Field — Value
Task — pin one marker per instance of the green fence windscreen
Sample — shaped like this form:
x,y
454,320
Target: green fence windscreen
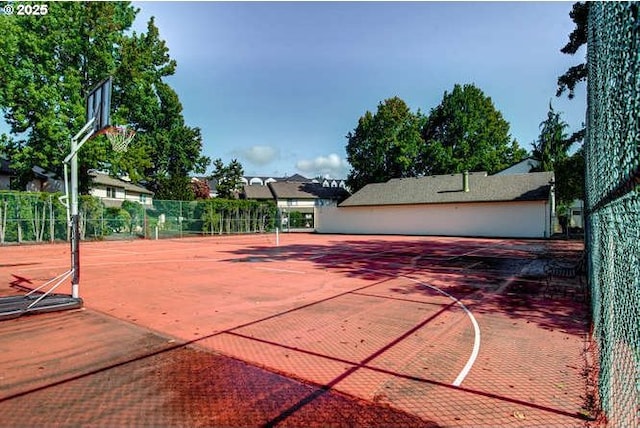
x,y
612,187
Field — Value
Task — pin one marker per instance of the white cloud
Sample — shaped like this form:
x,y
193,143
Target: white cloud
x,y
332,166
258,155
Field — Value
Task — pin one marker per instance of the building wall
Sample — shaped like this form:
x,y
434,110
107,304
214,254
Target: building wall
x,y
101,192
4,182
295,204
121,195
528,219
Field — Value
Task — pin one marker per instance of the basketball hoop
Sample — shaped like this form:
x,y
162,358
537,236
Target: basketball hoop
x,y
119,137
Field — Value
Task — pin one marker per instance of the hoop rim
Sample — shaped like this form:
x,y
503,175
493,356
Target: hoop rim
x,y
118,135
115,129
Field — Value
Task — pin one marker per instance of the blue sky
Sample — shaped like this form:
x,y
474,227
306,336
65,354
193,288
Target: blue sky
x,y
279,85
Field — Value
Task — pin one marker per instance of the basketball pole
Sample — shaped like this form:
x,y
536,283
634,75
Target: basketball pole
x,y
85,133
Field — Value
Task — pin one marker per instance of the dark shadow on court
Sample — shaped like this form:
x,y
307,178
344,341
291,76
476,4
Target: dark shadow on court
x,y
487,272
165,384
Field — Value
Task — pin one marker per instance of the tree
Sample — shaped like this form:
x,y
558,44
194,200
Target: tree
x,y
578,37
228,178
466,132
136,214
52,61
385,145
552,151
171,150
201,189
552,145
570,177
173,188
49,64
578,73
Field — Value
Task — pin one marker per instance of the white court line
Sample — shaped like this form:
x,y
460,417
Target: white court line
x,y
476,328
280,270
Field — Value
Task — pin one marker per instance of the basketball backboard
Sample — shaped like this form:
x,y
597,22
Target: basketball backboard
x,y
99,104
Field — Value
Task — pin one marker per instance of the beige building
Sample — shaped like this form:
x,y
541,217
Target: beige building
x,y
114,191
474,204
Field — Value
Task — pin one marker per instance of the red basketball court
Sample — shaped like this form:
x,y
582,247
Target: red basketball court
x,y
299,331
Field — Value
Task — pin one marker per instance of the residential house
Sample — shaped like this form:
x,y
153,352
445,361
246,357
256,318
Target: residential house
x,y
470,204
114,191
42,181
257,192
295,194
303,197
292,194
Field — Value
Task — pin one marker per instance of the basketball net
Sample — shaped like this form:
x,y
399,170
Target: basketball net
x,y
119,136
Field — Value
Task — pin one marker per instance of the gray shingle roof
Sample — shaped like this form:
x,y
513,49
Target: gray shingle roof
x,y
441,189
297,190
106,180
257,191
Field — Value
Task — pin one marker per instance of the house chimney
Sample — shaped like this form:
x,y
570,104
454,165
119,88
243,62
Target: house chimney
x,y
465,181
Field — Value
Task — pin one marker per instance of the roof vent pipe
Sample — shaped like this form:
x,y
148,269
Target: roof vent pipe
x,y
465,181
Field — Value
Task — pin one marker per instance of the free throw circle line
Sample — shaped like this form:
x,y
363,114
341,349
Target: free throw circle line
x,y
476,328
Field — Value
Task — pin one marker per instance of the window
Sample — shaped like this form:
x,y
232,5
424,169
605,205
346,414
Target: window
x,y
111,192
143,199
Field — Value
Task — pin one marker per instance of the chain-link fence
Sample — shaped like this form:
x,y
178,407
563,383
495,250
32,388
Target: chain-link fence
x,y
41,217
32,217
612,154
209,217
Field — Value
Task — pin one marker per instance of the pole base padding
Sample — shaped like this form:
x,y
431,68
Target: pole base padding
x,y
16,306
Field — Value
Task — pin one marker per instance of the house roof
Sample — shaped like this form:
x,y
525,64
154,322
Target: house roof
x,y
441,189
257,192
296,178
524,166
107,180
298,190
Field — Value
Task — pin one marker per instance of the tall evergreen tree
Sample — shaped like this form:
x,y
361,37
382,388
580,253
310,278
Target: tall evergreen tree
x,y
228,178
551,147
552,151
